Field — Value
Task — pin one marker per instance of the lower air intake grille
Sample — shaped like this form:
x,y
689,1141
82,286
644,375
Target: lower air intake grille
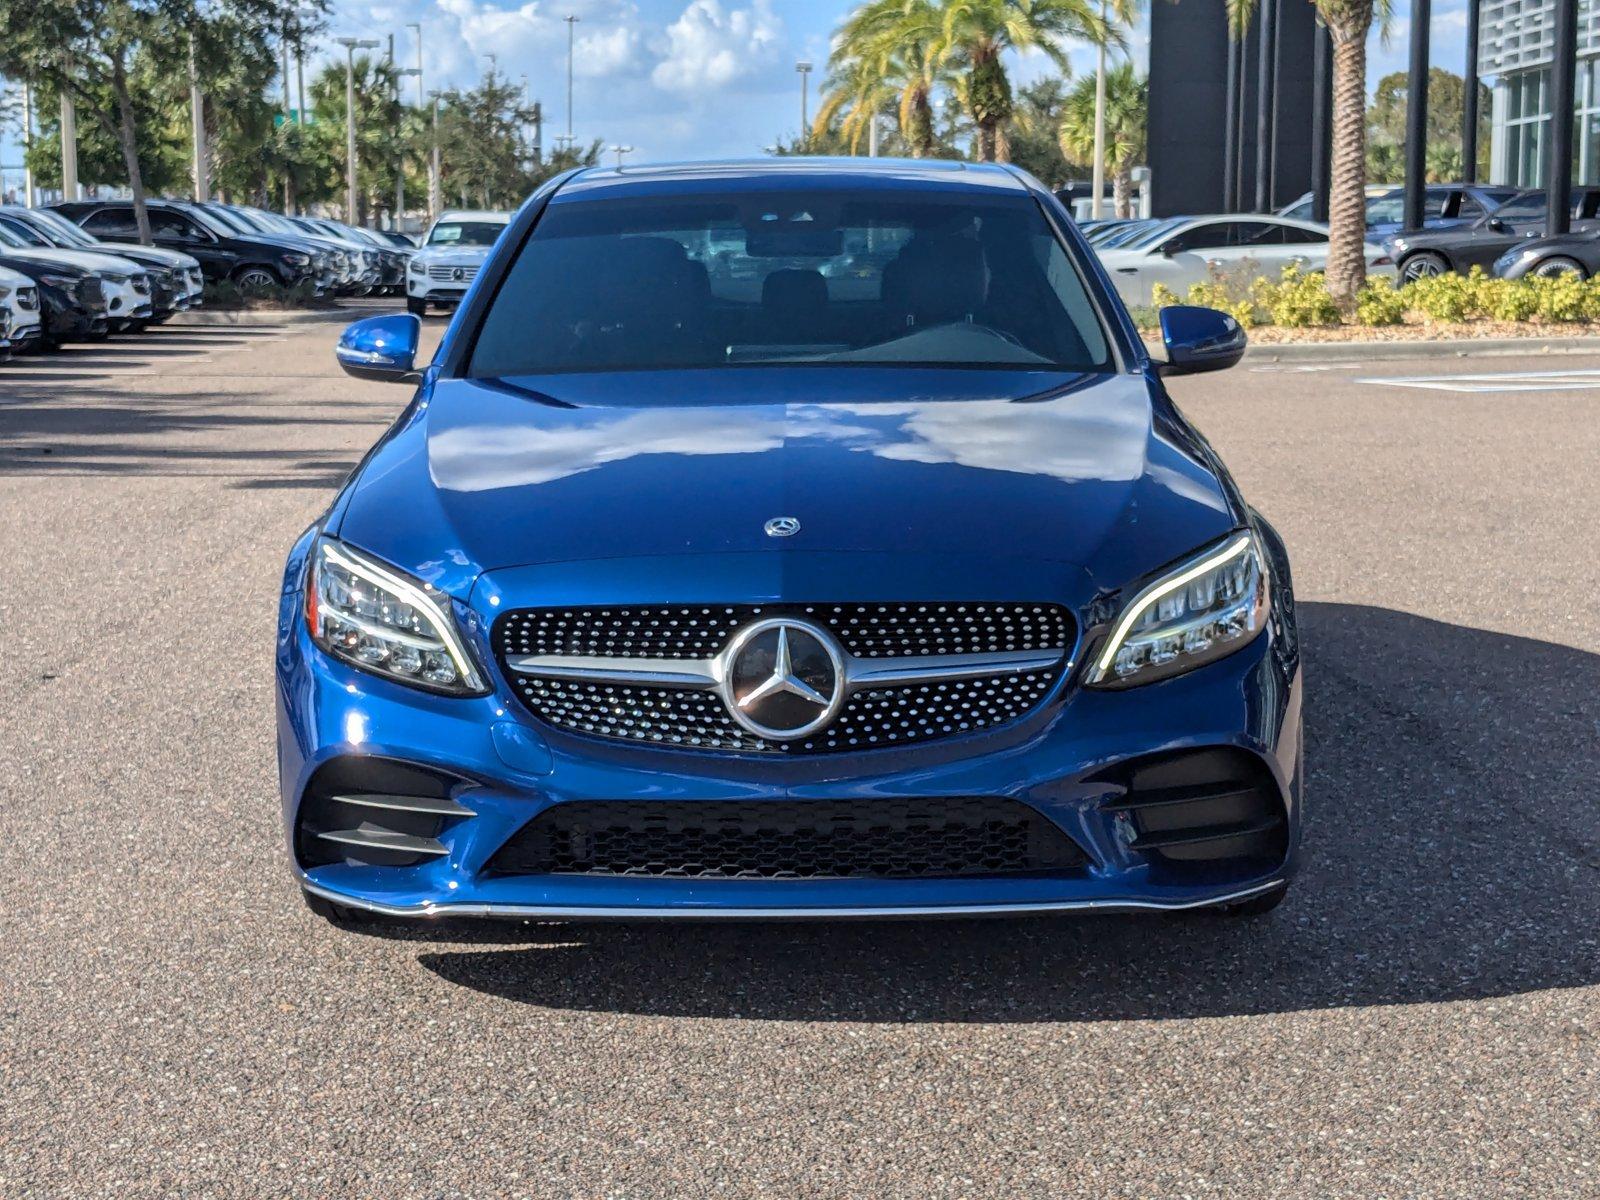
x,y
797,839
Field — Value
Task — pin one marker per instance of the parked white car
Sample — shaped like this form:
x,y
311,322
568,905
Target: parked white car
x,y
1182,251
455,247
20,319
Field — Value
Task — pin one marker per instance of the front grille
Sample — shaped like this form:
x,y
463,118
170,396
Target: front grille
x,y
444,274
875,717
867,630
789,839
91,293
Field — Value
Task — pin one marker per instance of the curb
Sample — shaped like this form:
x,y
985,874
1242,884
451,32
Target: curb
x,y
260,316
1303,352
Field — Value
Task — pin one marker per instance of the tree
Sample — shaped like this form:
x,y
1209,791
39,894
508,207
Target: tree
x,y
884,57
976,33
1386,127
1036,144
1126,105
92,51
1349,22
487,160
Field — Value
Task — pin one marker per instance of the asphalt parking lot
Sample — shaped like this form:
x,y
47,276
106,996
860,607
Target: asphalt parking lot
x,y
1420,1019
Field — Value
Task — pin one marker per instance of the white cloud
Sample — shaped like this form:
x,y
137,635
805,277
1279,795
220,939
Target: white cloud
x,y
709,47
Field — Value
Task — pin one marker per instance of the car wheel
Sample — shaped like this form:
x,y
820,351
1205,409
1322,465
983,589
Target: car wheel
x,y
1256,906
255,277
1423,266
341,916
1554,268
417,308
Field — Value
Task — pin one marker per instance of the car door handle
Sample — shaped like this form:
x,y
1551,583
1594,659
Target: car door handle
x,y
1127,270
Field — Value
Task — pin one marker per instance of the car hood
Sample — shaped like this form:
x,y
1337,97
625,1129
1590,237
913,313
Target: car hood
x,y
453,256
138,253
970,464
86,259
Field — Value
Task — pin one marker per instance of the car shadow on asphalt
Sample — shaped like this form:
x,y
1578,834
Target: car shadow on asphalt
x,y
1452,853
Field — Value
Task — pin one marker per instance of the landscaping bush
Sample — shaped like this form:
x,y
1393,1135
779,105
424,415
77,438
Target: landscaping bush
x,y
1379,302
1300,301
1446,298
1563,298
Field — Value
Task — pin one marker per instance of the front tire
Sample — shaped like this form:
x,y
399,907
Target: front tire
x,y
1557,266
340,916
417,308
1423,265
1256,906
255,277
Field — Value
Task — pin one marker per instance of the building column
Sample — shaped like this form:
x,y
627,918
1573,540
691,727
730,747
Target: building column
x,y
1558,147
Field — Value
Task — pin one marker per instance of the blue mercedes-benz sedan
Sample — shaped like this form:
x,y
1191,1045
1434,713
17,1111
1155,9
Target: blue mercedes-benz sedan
x,y
793,539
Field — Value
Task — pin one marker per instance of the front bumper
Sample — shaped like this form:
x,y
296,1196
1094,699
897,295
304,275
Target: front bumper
x,y
1056,761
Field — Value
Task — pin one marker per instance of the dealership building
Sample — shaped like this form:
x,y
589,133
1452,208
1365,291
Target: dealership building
x,y
1516,40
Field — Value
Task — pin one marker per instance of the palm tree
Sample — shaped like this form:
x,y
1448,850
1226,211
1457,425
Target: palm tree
x,y
1126,98
976,33
884,55
1349,22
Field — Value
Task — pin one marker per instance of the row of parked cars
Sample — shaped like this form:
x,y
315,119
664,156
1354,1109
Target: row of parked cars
x,y
1497,228
77,272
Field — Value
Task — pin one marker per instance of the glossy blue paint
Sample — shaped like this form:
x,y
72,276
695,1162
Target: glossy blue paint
x,y
1200,339
909,484
382,348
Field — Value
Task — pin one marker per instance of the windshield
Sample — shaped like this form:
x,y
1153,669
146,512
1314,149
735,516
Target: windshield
x,y
24,235
7,238
1145,235
234,221
823,279
465,233
209,221
61,229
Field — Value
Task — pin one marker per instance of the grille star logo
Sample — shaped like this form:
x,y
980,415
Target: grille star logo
x,y
784,678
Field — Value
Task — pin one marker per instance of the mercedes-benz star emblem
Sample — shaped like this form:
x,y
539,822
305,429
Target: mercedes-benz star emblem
x,y
782,526
783,678
458,273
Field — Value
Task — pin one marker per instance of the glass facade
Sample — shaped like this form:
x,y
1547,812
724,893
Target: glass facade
x,y
1522,121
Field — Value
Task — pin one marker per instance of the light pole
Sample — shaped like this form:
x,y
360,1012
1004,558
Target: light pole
x,y
421,96
494,62
619,151
197,125
572,25
804,69
27,143
400,161
435,177
1099,185
350,45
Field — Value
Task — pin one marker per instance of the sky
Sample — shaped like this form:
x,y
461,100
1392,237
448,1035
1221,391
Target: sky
x,y
681,79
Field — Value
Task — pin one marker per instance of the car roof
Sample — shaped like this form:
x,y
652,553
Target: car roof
x,y
471,214
797,173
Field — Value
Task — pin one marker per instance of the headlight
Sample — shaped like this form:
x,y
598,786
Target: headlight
x,y
416,267
1207,608
373,617
295,259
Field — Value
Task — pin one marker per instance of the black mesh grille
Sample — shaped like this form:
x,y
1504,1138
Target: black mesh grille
x,y
795,839
876,718
867,630
871,719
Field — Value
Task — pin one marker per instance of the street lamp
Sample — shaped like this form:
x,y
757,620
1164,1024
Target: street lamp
x,y
494,62
350,45
435,175
804,69
418,72
619,151
572,25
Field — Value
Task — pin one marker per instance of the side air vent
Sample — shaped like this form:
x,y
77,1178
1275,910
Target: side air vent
x,y
377,813
1200,809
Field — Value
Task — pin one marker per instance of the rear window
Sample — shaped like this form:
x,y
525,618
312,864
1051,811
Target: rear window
x,y
817,279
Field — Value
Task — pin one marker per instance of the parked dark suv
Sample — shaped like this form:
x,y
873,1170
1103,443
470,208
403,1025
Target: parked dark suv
x,y
255,260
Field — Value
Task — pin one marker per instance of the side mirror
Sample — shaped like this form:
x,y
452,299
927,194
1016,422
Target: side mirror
x,y
1496,224
381,348
1199,339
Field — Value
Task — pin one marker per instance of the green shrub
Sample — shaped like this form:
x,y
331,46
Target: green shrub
x,y
1509,300
1445,297
1562,298
1161,296
1379,302
1299,301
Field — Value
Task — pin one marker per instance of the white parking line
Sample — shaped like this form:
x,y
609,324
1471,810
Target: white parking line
x,y
1508,381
